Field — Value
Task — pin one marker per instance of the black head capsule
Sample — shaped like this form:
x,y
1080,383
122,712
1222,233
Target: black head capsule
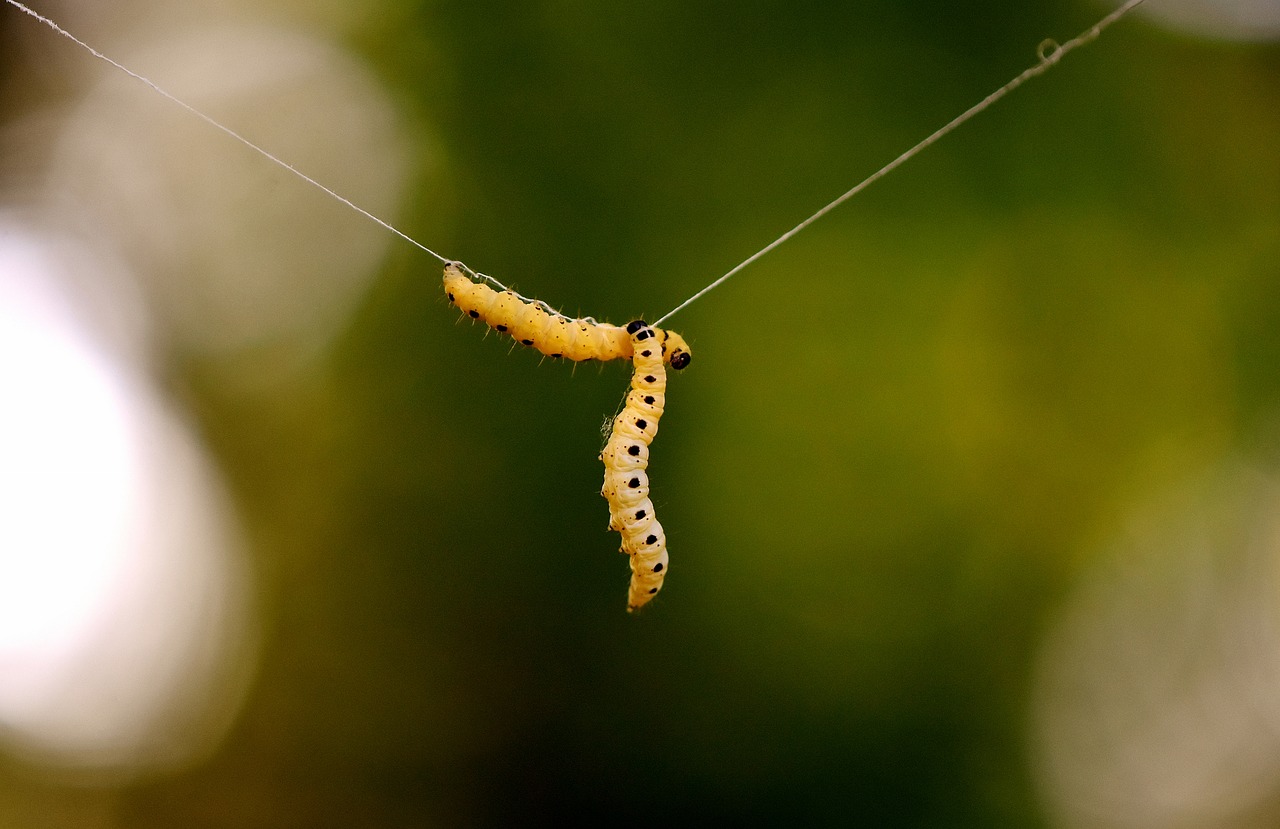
x,y
680,359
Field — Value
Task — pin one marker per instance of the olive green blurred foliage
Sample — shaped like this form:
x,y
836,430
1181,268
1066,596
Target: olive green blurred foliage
x,y
901,435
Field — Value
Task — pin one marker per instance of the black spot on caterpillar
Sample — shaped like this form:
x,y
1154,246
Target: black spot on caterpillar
x,y
626,484
534,324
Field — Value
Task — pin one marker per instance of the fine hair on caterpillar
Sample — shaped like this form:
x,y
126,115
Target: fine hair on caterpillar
x,y
626,459
541,327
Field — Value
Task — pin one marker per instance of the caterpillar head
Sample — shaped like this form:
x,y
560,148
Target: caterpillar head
x,y
455,281
676,350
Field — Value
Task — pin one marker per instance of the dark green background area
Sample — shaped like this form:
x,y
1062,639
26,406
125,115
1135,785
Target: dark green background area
x,y
902,438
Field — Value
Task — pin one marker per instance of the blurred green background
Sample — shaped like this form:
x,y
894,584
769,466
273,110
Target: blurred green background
x,y
904,436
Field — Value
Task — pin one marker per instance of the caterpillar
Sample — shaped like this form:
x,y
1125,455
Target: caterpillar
x,y
536,324
626,457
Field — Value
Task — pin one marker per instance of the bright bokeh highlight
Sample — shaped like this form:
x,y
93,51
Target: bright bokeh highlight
x,y
124,604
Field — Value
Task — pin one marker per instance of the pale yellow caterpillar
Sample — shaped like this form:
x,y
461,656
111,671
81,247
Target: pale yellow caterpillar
x,y
537,325
626,457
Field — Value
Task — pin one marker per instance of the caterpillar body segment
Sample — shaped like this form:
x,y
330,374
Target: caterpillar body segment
x,y
537,325
626,459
